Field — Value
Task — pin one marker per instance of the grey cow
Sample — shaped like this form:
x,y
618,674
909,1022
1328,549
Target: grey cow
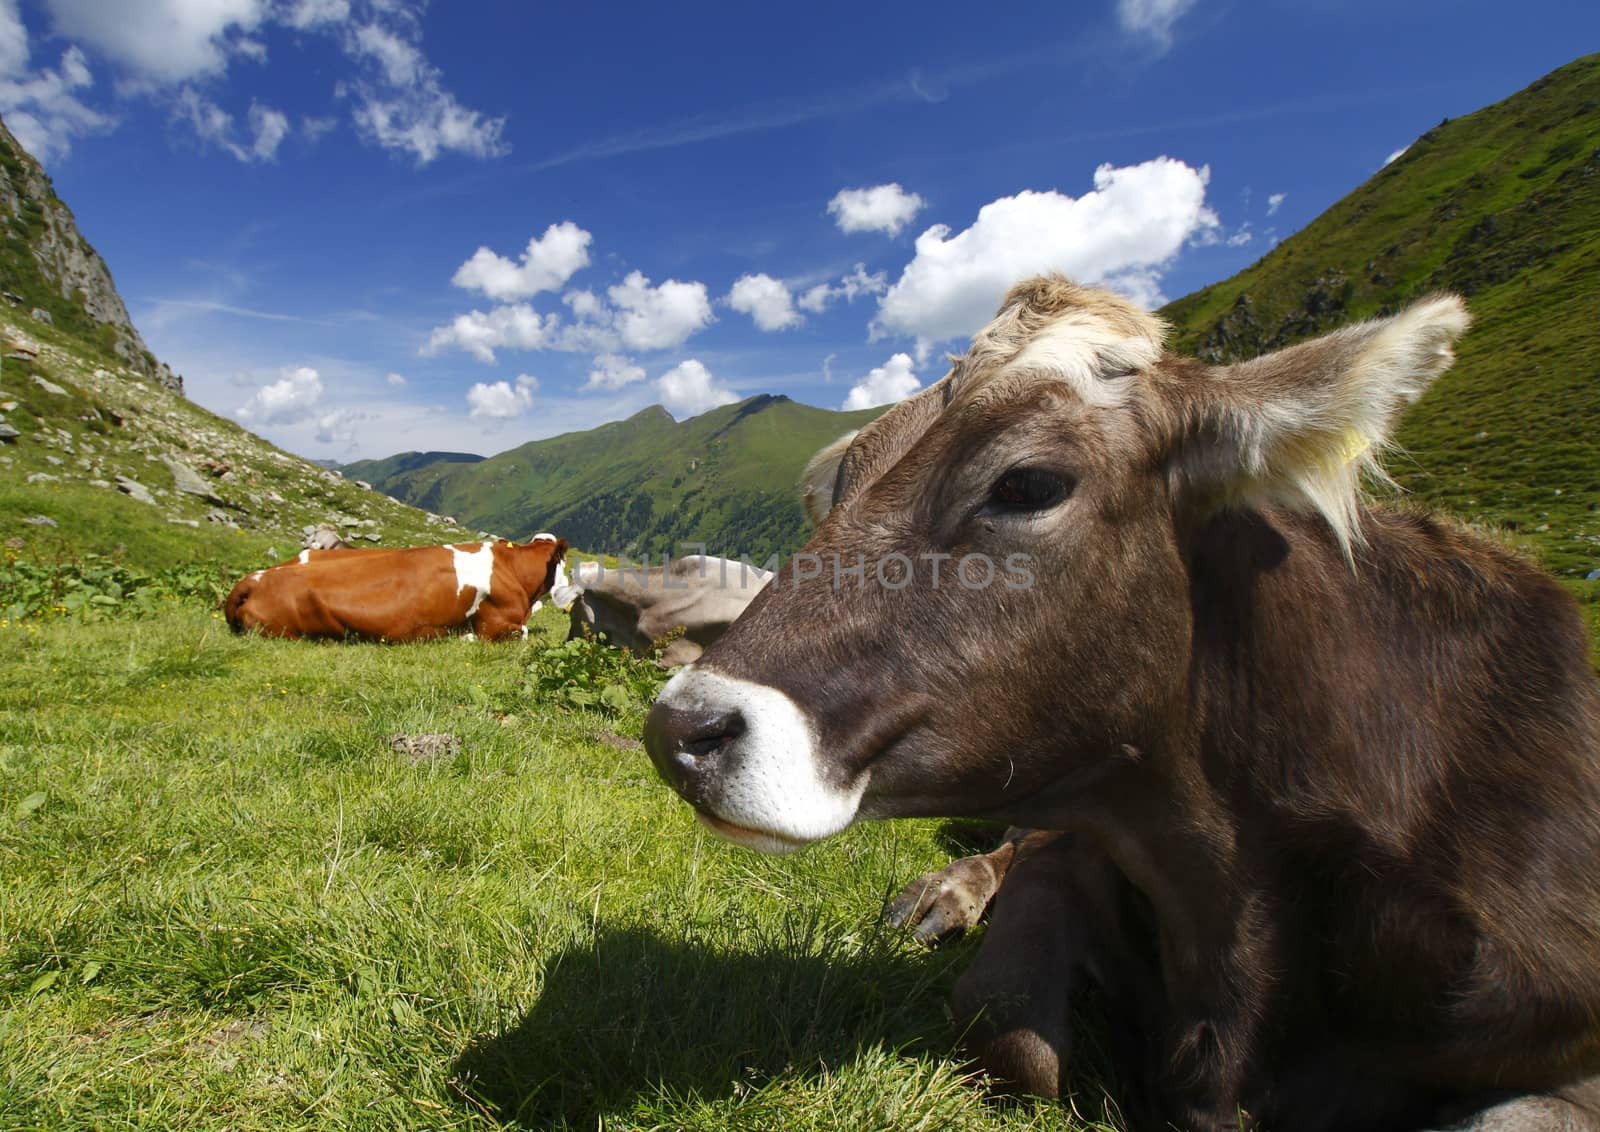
x,y
635,606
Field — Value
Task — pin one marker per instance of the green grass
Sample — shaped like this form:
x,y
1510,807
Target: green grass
x,y
229,904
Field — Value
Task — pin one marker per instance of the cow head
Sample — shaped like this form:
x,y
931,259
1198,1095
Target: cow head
x,y
996,609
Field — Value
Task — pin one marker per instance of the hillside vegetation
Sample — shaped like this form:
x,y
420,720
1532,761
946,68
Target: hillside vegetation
x,y
647,484
1502,206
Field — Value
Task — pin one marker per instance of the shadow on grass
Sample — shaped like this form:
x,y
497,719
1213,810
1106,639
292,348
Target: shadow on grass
x,y
638,1015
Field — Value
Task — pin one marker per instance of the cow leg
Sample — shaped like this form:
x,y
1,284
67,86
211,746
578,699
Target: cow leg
x,y
1573,1109
946,902
1055,926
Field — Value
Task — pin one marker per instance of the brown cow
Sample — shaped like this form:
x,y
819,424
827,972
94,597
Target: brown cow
x,y
486,589
1326,777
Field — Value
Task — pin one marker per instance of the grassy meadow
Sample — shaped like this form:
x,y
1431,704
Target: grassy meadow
x,y
229,903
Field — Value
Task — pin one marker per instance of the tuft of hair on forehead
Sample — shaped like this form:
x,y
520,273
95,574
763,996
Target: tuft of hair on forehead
x,y
1084,335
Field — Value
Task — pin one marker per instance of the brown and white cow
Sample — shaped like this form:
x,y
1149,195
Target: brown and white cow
x,y
1324,777
633,607
485,589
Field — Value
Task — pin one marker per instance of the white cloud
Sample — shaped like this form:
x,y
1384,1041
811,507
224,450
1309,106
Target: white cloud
x,y
502,401
1241,236
43,109
613,371
688,389
1396,155
547,263
882,208
893,381
405,106
338,426
1275,202
1121,235
305,14
213,124
397,100
161,42
766,300
291,398
658,318
397,380
584,304
517,327
858,282
1152,17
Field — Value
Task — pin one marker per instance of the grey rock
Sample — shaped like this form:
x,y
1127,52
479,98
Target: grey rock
x,y
56,460
363,483
7,432
185,522
43,477
136,489
49,387
189,481
41,521
425,748
217,515
44,316
1592,576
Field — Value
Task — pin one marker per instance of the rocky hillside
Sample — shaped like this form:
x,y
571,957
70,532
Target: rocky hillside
x,y
644,485
103,459
50,275
1502,206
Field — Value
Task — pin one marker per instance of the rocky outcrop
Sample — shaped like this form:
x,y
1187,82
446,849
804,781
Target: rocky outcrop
x,y
51,273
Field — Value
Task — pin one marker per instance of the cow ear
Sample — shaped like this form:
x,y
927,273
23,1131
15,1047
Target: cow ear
x,y
820,475
1297,428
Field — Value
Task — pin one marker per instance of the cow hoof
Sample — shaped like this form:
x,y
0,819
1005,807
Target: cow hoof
x,y
943,904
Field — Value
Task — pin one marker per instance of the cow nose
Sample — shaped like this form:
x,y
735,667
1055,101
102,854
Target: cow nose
x,y
684,742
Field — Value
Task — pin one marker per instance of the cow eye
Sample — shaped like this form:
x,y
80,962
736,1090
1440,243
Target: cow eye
x,y
1026,490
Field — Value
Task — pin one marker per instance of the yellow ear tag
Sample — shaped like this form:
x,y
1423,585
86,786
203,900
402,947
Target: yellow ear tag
x,y
1355,446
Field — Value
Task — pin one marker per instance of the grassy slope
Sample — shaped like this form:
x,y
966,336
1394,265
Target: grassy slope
x,y
1503,206
726,477
287,925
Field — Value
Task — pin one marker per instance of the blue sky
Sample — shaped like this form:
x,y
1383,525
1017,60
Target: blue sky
x,y
366,226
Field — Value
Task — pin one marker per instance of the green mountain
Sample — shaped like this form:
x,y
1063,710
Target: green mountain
x,y
1502,206
643,485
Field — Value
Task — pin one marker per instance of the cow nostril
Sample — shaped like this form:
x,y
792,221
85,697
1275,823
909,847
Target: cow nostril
x,y
711,734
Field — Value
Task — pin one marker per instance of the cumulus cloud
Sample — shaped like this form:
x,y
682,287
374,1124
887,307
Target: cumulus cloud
x,y
688,389
42,108
517,327
858,282
893,381
882,208
546,265
397,380
658,318
293,397
613,371
502,400
1121,235
338,426
161,42
397,98
766,300
1396,155
1275,202
1153,18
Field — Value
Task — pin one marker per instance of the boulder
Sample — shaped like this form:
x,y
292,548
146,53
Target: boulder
x,y
49,387
189,481
7,432
136,489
